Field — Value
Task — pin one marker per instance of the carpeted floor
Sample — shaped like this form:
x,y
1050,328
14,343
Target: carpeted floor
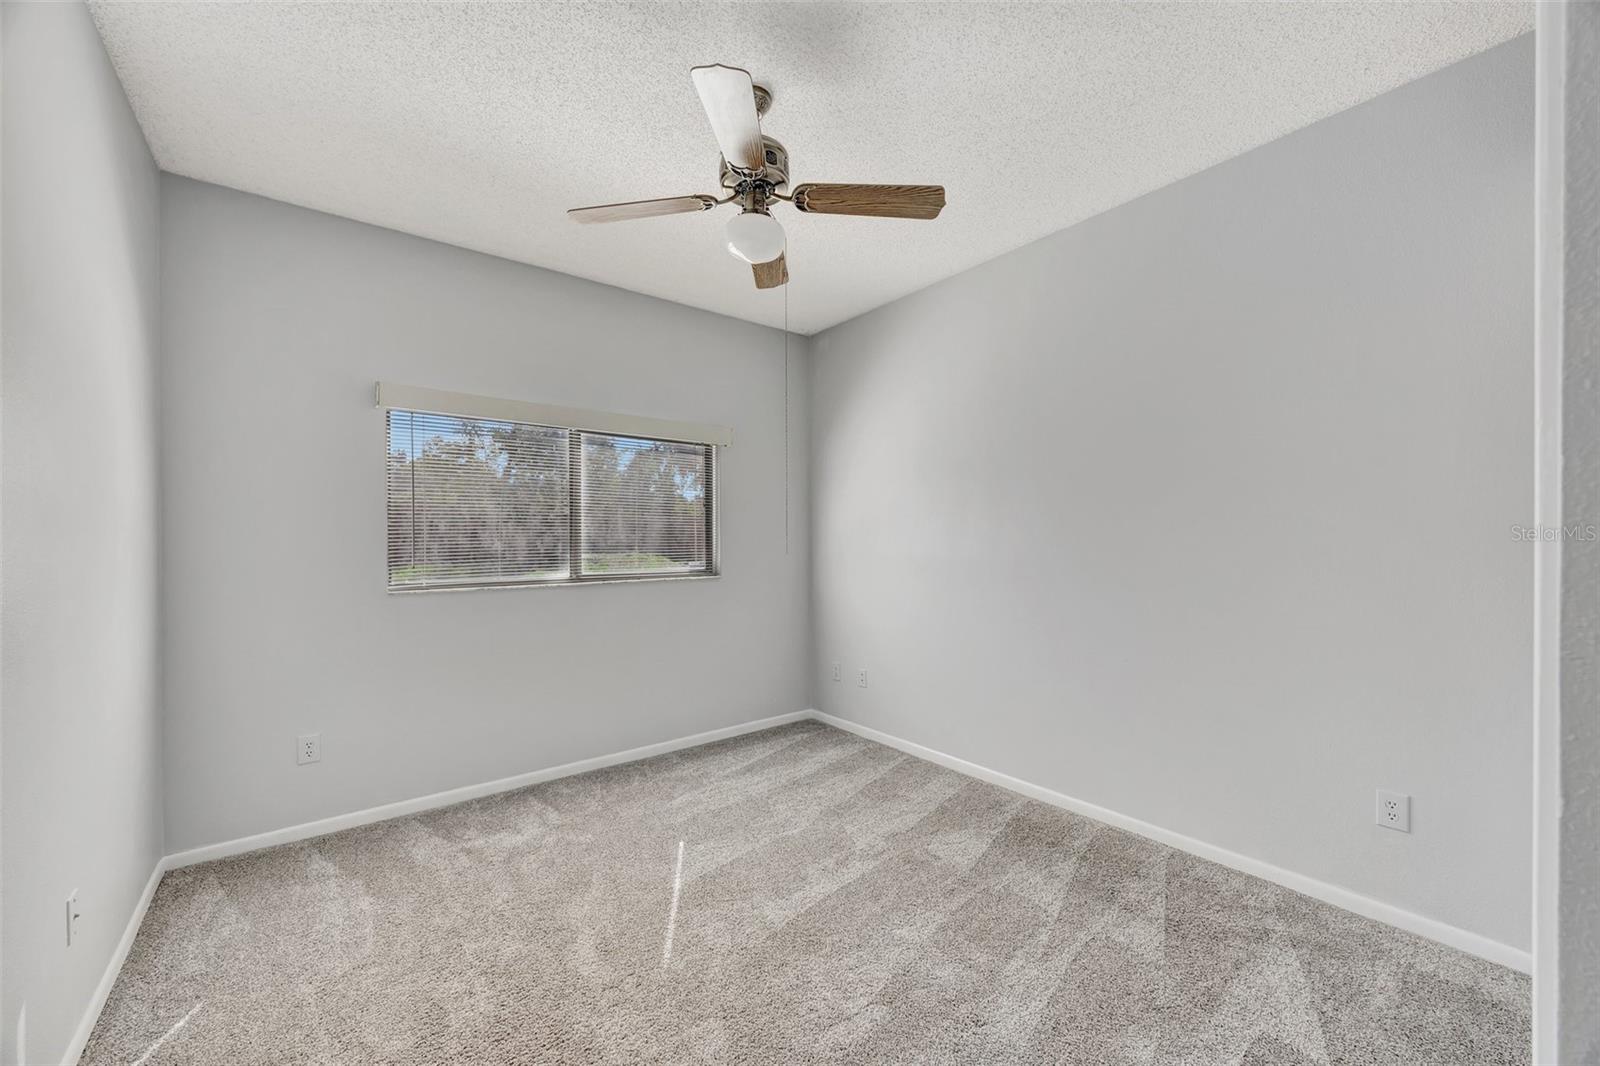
x,y
794,896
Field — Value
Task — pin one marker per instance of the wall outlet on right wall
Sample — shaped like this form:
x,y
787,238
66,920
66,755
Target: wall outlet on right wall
x,y
1394,810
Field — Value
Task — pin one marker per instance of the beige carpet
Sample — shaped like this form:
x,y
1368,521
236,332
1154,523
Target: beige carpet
x,y
793,896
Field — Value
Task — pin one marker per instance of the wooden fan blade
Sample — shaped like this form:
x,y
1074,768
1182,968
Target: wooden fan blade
x,y
881,201
771,275
729,97
671,205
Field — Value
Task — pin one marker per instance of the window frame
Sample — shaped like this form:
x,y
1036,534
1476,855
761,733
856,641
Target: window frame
x,y
575,575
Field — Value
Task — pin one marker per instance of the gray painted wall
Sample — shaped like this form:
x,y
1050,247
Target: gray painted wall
x,y
1201,510
277,321
81,726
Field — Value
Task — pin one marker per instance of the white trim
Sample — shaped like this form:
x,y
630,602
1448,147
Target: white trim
x,y
437,401
324,826
1549,273
102,991
1344,898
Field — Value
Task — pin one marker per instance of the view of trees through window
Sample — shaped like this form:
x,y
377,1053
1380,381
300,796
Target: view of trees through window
x,y
475,502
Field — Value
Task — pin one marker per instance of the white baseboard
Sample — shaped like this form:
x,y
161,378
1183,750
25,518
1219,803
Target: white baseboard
x,y
324,826
1366,906
102,991
1461,939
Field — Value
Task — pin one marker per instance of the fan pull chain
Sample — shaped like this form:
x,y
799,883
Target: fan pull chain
x,y
786,419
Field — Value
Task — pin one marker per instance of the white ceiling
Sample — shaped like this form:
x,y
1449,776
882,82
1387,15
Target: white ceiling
x,y
480,123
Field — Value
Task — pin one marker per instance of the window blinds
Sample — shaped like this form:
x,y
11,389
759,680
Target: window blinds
x,y
644,506
481,502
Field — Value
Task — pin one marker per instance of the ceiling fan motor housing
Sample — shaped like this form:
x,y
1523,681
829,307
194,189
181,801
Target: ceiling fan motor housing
x,y
775,173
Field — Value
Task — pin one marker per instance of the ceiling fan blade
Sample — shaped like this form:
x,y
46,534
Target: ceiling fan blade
x,y
771,275
880,201
671,205
729,97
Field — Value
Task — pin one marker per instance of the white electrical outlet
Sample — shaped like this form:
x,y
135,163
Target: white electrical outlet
x,y
861,677
308,748
838,672
73,914
1394,810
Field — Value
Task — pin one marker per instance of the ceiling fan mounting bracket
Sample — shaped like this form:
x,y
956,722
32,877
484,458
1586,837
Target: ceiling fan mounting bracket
x,y
763,100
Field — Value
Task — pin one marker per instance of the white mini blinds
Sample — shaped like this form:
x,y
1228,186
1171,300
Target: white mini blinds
x,y
477,501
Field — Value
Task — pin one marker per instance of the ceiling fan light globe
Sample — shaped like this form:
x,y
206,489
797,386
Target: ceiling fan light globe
x,y
755,237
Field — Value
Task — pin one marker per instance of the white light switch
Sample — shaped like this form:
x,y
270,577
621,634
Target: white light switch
x,y
73,914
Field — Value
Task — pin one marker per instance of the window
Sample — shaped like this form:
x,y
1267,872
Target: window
x,y
644,506
477,502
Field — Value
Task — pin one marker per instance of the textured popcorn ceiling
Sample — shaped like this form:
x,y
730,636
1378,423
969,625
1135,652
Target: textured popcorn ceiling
x,y
479,124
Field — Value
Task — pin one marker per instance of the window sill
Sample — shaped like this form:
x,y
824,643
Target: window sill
x,y
588,582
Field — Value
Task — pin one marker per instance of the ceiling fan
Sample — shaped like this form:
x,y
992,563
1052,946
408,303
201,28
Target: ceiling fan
x,y
755,173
